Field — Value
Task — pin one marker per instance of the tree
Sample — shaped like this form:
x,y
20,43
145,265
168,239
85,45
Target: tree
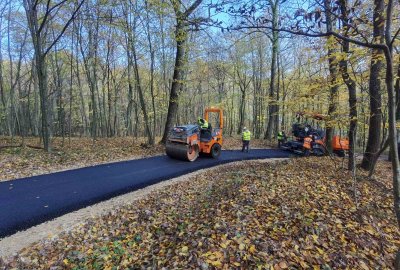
x,y
39,16
310,25
131,25
181,37
351,86
333,74
375,120
273,107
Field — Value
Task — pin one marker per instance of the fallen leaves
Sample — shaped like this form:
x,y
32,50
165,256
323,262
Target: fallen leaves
x,y
298,214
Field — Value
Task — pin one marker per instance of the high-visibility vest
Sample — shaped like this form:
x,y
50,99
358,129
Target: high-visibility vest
x,y
246,135
280,136
203,123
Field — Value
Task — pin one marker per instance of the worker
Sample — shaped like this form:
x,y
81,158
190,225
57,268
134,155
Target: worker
x,y
246,134
203,123
281,138
205,129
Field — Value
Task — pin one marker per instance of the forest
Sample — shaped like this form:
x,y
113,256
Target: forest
x,y
136,68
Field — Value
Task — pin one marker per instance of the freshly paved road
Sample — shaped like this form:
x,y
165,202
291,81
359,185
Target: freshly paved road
x,y
30,201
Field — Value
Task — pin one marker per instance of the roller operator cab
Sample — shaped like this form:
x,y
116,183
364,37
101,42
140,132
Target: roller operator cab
x,y
187,142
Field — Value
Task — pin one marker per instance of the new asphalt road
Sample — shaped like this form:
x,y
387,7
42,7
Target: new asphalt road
x,y
30,201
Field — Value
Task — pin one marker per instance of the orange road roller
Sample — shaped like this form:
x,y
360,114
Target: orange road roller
x,y
187,142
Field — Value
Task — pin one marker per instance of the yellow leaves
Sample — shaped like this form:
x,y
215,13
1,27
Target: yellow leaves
x,y
315,238
66,262
370,230
303,264
363,265
320,251
225,244
343,238
126,263
278,227
214,258
215,263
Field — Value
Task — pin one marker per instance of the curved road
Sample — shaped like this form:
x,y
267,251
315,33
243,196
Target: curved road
x,y
30,201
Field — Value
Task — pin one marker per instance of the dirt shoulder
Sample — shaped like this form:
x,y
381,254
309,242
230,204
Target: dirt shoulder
x,y
300,213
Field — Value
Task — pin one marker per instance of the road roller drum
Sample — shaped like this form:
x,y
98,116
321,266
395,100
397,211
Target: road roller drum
x,y
182,151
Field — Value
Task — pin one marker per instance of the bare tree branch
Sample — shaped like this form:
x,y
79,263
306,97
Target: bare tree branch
x,y
192,8
64,28
46,14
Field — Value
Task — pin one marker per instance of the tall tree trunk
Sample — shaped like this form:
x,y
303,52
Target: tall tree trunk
x,y
351,86
91,76
152,61
41,69
43,93
129,108
141,97
181,36
79,84
375,99
393,139
333,74
138,83
38,27
12,113
273,108
2,86
242,108
71,88
397,90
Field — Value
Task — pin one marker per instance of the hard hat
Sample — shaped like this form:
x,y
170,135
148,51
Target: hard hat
x,y
244,128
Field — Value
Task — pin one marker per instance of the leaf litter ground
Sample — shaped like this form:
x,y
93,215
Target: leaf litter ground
x,y
297,214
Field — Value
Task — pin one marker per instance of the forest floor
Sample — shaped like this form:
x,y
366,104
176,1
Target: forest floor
x,y
17,162
245,215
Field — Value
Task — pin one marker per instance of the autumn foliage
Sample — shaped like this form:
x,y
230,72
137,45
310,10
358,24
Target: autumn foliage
x,y
300,214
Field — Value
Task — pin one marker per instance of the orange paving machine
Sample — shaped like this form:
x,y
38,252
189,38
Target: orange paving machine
x,y
311,141
187,142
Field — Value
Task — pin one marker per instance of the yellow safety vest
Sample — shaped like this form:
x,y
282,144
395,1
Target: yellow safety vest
x,y
246,135
203,124
280,136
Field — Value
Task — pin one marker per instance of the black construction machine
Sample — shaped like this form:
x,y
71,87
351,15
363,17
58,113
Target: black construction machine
x,y
311,141
308,141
